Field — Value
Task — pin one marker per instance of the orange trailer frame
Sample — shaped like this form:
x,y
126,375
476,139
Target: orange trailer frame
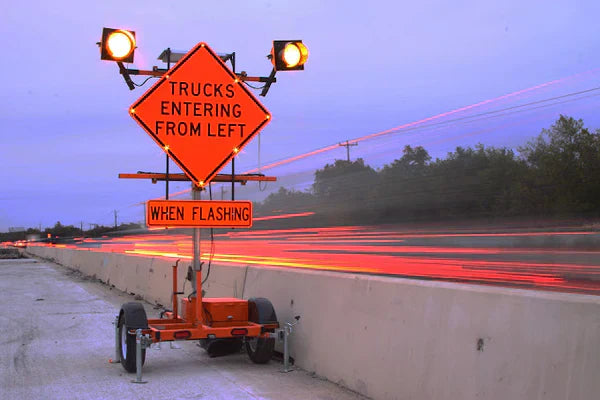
x,y
194,324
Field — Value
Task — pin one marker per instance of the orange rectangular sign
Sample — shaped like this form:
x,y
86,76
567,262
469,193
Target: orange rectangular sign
x,y
199,213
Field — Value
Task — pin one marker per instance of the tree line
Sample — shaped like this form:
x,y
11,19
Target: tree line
x,y
60,231
557,174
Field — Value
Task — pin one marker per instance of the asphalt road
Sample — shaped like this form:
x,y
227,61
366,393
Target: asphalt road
x,y
56,339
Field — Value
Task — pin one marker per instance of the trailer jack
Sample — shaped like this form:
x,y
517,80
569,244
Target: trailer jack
x,y
141,342
117,358
282,334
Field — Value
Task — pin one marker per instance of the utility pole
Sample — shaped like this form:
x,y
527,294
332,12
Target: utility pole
x,y
115,219
347,146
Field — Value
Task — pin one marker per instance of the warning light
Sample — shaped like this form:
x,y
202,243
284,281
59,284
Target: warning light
x,y
120,44
289,55
117,45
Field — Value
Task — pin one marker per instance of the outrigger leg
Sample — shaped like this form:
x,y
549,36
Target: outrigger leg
x,y
117,358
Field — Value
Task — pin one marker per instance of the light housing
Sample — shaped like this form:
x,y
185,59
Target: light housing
x,y
289,55
117,45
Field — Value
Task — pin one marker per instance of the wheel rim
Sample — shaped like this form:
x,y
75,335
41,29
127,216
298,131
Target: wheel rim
x,y
253,343
123,341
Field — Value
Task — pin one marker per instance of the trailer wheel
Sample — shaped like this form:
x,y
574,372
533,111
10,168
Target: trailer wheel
x,y
132,316
260,349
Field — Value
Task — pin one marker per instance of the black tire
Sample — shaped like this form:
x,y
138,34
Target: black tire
x,y
260,349
130,319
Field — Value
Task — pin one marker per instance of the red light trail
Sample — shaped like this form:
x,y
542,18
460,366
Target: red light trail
x,y
284,216
510,258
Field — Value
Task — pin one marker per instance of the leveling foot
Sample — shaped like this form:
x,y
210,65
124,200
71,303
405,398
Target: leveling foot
x,y
138,359
283,334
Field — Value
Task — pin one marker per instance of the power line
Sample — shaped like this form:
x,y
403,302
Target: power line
x,y
421,124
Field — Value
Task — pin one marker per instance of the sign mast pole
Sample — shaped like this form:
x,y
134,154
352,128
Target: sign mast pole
x,y
197,265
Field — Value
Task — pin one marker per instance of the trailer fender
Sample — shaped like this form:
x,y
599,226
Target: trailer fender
x,y
261,311
135,315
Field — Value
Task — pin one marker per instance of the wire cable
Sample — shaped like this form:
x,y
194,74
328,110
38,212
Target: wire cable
x,y
144,82
212,241
255,87
420,126
260,187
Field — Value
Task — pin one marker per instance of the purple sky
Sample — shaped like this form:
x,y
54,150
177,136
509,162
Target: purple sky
x,y
372,66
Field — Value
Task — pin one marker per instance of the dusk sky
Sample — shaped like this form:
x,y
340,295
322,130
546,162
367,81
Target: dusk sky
x,y
373,66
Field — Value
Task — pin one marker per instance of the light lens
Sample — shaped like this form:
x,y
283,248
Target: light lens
x,y
120,44
291,55
294,54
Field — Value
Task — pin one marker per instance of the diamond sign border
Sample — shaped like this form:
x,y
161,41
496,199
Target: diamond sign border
x,y
165,78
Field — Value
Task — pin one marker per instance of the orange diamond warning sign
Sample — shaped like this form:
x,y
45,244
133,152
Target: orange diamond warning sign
x,y
200,113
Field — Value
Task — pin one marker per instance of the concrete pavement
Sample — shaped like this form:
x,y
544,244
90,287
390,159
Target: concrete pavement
x,y
56,337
